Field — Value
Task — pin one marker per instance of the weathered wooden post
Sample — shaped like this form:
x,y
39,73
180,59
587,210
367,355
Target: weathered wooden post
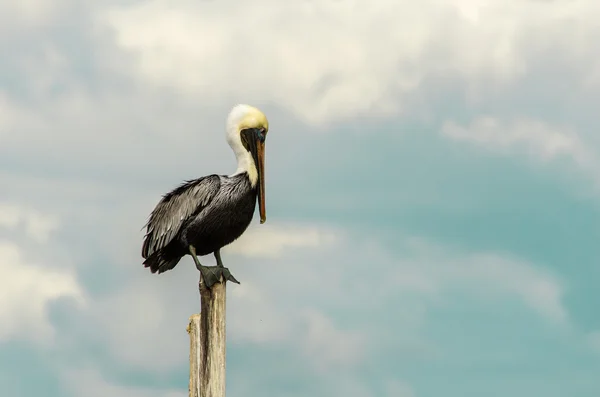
x,y
207,343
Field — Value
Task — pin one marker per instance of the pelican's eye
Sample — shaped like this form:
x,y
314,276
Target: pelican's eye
x,y
261,133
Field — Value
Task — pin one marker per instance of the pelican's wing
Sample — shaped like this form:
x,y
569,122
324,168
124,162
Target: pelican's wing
x,y
175,208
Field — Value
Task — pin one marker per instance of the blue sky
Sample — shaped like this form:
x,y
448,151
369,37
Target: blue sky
x,y
433,180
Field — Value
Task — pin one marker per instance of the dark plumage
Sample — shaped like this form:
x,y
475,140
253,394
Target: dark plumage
x,y
207,213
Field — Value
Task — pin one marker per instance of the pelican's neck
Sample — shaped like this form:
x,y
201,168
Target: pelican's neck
x,y
243,156
246,164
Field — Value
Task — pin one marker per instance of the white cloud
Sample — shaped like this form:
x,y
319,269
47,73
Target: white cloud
x,y
433,272
259,317
38,226
26,290
341,59
123,101
271,241
538,289
538,138
161,304
27,286
287,300
484,274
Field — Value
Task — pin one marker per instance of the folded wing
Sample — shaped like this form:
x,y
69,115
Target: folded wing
x,y
175,208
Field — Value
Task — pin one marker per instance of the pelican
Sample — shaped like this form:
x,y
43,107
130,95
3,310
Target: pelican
x,y
203,215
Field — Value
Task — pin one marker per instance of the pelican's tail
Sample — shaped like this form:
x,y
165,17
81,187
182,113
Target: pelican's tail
x,y
157,262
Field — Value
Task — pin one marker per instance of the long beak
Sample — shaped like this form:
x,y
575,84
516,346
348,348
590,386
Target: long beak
x,y
260,146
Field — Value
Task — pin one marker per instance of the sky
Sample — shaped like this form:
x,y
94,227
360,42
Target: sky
x,y
433,195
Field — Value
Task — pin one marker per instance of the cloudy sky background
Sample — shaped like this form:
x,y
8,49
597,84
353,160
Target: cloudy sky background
x,y
433,190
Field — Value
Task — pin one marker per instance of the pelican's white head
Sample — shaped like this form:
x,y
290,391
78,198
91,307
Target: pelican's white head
x,y
246,130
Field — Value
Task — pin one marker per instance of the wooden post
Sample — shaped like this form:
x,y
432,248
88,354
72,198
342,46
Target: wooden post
x,y
207,343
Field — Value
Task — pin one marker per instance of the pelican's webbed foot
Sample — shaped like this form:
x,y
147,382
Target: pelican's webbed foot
x,y
212,274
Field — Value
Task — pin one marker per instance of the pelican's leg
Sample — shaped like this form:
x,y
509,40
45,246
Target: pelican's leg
x,y
211,274
226,273
196,260
218,258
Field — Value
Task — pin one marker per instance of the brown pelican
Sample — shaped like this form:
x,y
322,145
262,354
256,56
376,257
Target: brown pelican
x,y
203,215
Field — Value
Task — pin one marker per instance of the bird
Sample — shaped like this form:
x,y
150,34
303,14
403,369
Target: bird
x,y
201,216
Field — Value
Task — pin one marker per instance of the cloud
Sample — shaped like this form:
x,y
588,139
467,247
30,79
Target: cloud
x,y
358,58
261,318
141,97
272,242
38,226
27,285
288,301
539,139
438,270
157,304
539,290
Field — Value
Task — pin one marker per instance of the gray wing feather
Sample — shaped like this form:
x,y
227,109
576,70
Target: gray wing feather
x,y
175,208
